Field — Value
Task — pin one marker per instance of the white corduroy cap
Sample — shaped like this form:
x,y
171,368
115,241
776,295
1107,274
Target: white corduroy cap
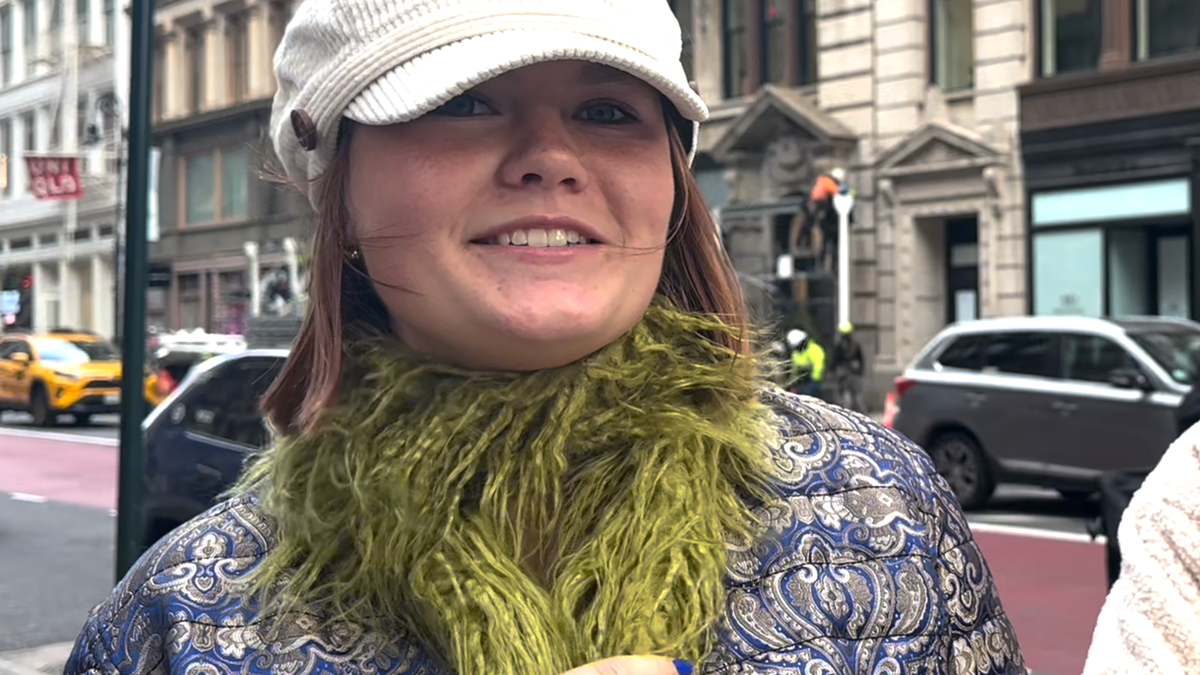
x,y
381,62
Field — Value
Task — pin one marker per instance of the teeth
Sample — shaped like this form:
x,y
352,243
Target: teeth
x,y
540,238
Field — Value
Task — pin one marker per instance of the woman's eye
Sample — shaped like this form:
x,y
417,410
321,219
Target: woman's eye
x,y
607,113
463,105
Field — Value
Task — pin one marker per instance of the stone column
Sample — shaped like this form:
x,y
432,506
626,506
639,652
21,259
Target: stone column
x,y
17,173
101,322
18,42
215,75
174,75
260,55
40,323
67,297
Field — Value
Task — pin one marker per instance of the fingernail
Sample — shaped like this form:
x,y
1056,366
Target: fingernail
x,y
683,667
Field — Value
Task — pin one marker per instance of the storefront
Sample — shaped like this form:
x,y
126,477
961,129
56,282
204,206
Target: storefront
x,y
1114,250
1112,216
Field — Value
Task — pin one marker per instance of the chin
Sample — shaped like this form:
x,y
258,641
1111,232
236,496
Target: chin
x,y
548,323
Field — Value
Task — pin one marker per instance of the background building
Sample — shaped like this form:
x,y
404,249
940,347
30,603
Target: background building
x,y
1111,132
918,100
212,103
57,257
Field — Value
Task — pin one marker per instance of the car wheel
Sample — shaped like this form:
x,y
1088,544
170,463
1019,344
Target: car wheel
x,y
39,407
961,461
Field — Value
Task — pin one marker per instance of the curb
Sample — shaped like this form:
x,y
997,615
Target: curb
x,y
57,436
9,667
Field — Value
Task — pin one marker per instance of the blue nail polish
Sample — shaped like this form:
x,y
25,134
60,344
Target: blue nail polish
x,y
683,667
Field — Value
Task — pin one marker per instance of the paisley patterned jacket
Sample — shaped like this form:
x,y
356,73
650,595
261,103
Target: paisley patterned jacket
x,y
869,568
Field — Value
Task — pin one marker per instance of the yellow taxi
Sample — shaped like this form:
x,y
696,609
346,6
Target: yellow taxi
x,y
60,373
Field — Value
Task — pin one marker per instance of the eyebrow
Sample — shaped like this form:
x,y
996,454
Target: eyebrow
x,y
597,73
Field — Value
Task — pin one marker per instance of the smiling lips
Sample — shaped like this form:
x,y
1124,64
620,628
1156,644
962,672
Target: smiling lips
x,y
538,238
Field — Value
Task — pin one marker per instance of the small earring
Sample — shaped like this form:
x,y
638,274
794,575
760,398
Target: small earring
x,y
353,253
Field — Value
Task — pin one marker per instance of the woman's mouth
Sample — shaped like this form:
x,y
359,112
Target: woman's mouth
x,y
537,238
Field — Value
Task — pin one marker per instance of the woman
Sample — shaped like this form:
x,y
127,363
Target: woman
x,y
522,431
1150,623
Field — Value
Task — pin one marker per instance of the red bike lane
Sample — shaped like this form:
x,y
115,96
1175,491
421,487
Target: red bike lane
x,y
57,469
1053,589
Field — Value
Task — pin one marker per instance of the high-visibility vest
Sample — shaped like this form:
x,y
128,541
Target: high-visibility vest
x,y
811,360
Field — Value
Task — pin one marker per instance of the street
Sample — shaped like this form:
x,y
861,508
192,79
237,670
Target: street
x,y
58,489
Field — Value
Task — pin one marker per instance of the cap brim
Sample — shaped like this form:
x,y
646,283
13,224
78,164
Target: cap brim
x,y
430,80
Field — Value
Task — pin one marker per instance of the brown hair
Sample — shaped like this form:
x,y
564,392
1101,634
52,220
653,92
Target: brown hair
x,y
697,276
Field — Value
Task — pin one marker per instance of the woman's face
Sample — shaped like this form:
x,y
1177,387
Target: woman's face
x,y
522,225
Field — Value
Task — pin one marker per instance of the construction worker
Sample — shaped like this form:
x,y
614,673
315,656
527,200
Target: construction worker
x,y
848,365
808,363
823,215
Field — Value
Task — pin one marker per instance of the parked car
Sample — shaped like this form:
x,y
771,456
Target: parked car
x,y
1050,401
199,437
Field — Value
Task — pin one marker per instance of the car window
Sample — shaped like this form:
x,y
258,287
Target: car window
x,y
1177,352
57,350
1023,353
224,404
964,353
1093,358
8,349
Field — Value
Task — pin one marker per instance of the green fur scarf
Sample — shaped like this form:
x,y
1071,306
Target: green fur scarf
x,y
422,502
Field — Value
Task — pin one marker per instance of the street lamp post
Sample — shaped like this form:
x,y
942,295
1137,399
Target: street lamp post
x,y
132,487
843,202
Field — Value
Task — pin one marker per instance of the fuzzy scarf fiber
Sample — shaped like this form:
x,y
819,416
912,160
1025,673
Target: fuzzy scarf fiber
x,y
416,506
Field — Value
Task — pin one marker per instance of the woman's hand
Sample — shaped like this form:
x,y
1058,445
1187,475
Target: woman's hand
x,y
634,665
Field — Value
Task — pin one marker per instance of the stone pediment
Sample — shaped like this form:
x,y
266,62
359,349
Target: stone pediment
x,y
934,148
779,112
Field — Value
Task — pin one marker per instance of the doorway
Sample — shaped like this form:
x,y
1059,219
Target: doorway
x,y
962,269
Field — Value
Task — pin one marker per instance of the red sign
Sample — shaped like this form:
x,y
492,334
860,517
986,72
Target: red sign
x,y
54,177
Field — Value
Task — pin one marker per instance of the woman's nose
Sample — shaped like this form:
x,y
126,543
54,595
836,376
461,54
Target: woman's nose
x,y
544,155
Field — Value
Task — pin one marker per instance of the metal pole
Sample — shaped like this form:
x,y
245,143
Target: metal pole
x,y
843,202
133,399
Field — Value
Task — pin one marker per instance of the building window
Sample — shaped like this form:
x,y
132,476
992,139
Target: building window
x,y
1072,32
200,189
216,186
56,12
195,49
110,22
734,46
782,20
6,46
84,17
953,40
237,47
684,11
235,183
189,301
29,9
1167,27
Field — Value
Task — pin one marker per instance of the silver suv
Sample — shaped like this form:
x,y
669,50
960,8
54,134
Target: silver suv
x,y
1049,401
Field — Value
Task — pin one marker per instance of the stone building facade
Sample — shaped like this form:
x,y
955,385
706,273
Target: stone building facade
x,y
212,94
57,262
918,101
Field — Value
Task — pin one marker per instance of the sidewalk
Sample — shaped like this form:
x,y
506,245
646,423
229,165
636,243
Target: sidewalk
x,y
45,660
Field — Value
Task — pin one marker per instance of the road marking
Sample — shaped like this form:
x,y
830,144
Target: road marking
x,y
1036,533
56,436
26,497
